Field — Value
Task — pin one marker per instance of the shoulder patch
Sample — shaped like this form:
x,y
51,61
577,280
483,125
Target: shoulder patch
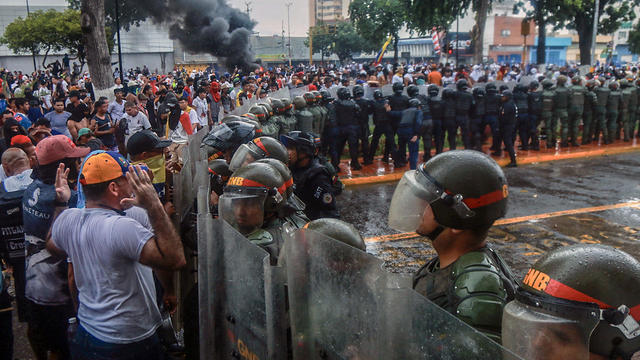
x,y
327,198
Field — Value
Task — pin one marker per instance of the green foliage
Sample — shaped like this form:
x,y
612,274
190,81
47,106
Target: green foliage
x,y
45,31
375,20
423,15
341,39
634,39
130,13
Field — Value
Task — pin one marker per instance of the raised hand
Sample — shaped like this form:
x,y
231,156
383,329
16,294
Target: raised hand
x,y
63,192
145,194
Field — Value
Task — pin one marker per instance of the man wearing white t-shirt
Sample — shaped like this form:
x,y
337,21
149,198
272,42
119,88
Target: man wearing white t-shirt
x,y
112,258
202,108
136,120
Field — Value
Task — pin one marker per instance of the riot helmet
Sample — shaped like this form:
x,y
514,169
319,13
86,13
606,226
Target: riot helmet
x,y
278,106
258,148
591,84
377,95
561,80
478,92
613,85
358,91
506,95
260,112
309,98
343,93
229,136
624,83
490,86
253,192
318,96
397,88
284,171
533,85
219,174
448,93
338,230
303,142
326,96
287,104
433,90
412,91
228,118
576,80
465,190
299,102
547,84
462,85
249,116
502,88
576,300
267,107
414,103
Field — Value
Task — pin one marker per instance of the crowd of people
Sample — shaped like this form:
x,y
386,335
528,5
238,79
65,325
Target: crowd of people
x,y
91,246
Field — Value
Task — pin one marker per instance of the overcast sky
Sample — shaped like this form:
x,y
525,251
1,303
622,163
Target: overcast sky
x,y
269,15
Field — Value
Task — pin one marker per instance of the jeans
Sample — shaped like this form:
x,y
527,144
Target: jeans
x,y
85,346
414,147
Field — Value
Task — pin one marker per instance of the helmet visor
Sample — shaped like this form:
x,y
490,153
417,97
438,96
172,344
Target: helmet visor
x,y
410,198
243,211
538,333
243,156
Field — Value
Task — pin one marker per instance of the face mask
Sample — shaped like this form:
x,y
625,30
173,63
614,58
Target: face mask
x,y
156,164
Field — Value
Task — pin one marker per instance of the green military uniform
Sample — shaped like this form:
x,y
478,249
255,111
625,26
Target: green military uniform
x,y
288,115
600,124
633,108
546,116
304,118
636,119
315,111
628,96
324,113
590,103
473,288
576,110
271,126
278,116
613,111
561,107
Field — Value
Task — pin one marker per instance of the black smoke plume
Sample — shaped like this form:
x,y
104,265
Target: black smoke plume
x,y
205,26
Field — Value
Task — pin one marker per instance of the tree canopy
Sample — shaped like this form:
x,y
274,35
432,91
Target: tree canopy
x,y
130,13
375,20
341,39
45,31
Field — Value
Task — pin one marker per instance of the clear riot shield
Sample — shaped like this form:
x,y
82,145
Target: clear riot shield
x,y
387,90
241,296
526,79
509,84
183,190
335,299
343,305
298,91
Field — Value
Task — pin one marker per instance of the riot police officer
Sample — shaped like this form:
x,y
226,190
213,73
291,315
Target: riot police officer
x,y
304,118
409,131
521,100
256,149
478,112
343,116
278,117
250,203
319,104
449,117
628,93
326,136
453,200
436,108
574,304
426,130
313,109
535,107
269,127
588,119
600,125
490,119
547,114
366,109
382,123
507,119
398,102
613,110
577,94
314,183
289,117
633,107
464,102
561,107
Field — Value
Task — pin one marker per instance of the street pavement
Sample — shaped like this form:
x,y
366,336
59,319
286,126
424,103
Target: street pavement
x,y
551,204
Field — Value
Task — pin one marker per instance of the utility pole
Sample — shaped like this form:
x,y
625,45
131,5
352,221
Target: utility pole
x,y
119,42
288,5
33,54
457,33
248,5
595,33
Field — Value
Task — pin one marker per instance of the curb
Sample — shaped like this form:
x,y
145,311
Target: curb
x,y
528,159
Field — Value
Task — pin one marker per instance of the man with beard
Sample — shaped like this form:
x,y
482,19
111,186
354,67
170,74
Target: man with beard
x,y
453,200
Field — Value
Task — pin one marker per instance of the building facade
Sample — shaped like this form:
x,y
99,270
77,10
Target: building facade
x,y
328,11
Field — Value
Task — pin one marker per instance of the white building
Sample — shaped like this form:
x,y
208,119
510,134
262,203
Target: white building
x,y
148,44
328,11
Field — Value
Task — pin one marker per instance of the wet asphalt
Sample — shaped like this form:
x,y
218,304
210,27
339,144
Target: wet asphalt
x,y
533,189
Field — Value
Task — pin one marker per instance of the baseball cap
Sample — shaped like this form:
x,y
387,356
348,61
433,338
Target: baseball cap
x,y
20,140
58,147
84,131
73,93
145,140
103,167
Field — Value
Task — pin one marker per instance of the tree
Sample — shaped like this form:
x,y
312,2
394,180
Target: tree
x,y
634,39
131,13
94,35
341,39
375,20
43,32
